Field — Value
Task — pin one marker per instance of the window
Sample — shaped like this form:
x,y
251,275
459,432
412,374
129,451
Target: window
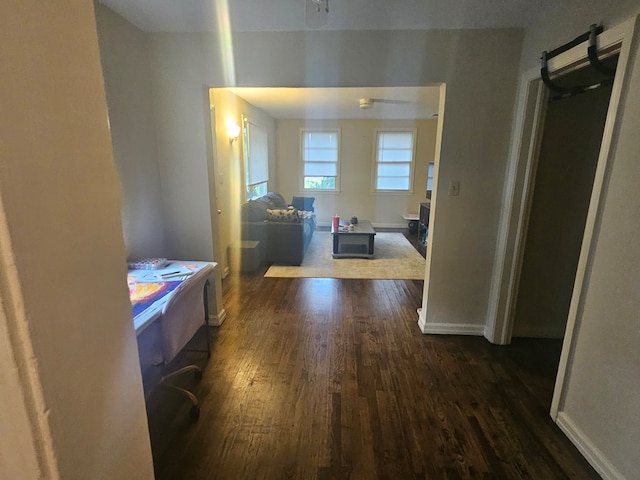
x,y
320,154
394,160
430,179
256,157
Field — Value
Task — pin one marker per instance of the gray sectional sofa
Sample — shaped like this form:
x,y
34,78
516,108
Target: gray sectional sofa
x,y
283,229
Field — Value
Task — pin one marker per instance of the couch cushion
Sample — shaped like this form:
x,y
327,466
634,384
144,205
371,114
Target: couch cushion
x,y
283,215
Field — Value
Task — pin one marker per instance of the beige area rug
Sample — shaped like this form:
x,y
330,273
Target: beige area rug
x,y
395,259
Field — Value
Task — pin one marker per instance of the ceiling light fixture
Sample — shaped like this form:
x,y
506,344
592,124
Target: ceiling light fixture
x,y
316,13
318,4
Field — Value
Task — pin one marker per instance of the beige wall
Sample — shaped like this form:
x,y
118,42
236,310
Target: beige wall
x,y
65,305
152,196
125,60
185,159
229,162
357,139
599,399
181,103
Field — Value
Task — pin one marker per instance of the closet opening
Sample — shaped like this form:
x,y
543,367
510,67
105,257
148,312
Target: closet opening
x,y
561,191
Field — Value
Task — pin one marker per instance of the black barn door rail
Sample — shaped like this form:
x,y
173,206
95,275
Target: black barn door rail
x,y
594,61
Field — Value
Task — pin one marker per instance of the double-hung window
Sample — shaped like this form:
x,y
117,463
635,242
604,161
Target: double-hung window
x,y
320,159
394,154
256,157
430,170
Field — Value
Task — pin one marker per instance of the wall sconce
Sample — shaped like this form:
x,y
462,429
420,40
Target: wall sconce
x,y
233,131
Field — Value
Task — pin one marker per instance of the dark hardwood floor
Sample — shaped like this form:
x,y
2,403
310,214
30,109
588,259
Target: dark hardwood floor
x,y
324,378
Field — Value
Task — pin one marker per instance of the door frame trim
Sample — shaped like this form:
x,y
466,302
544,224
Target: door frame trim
x,y
523,157
622,35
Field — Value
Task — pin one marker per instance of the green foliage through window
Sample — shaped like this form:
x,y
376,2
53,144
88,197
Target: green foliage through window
x,y
320,154
256,190
320,183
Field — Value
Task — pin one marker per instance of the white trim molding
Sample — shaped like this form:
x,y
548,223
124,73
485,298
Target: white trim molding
x,y
522,159
593,455
623,35
448,328
24,403
217,320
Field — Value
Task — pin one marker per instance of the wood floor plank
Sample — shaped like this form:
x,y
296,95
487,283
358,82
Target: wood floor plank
x,y
332,379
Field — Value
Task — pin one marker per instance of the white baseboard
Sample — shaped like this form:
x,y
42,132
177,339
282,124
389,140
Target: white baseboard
x,y
593,455
453,329
448,328
421,320
217,320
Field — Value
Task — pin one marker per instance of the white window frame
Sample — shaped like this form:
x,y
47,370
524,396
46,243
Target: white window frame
x,y
431,168
259,132
374,170
303,162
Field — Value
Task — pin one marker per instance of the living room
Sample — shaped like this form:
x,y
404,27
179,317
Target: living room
x,y
475,67
324,109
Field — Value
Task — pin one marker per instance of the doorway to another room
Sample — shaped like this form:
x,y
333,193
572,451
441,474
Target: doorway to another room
x,y
561,193
553,185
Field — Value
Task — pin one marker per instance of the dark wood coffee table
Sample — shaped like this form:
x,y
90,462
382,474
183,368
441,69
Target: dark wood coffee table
x,y
356,243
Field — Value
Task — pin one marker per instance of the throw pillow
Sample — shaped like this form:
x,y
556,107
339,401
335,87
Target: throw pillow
x,y
282,215
303,203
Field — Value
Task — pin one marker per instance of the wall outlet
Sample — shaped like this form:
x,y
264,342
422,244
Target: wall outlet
x,y
454,188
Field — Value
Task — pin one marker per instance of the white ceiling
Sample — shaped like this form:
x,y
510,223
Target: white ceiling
x,y
289,15
343,103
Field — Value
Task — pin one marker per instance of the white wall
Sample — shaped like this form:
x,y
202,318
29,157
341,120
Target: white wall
x,y
599,400
357,139
479,67
563,21
63,288
125,60
153,219
181,102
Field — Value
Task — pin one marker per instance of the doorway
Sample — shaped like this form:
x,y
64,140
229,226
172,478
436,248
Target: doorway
x,y
526,144
569,149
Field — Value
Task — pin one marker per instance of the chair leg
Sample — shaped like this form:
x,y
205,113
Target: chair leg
x,y
165,382
197,371
205,296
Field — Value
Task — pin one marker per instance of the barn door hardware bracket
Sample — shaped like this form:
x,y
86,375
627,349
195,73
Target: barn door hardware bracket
x,y
594,61
544,73
593,53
